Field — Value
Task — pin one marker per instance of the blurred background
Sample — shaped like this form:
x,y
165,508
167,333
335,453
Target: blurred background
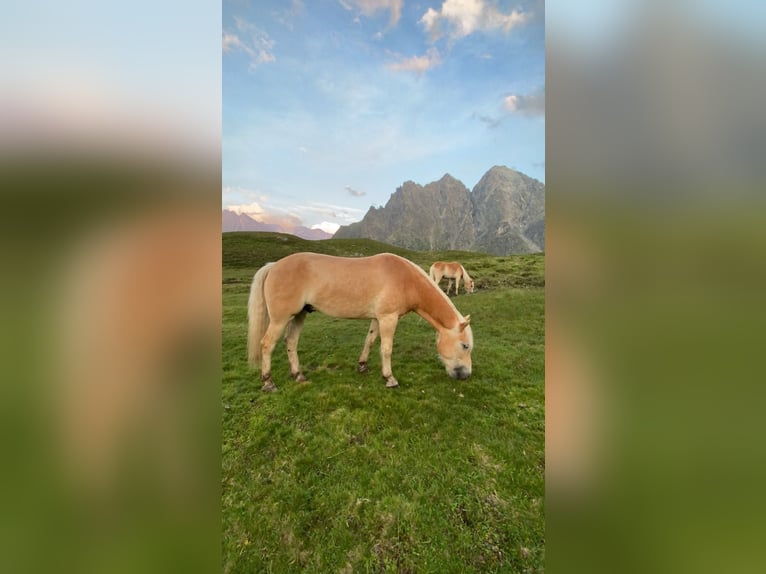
x,y
110,174
109,214
656,142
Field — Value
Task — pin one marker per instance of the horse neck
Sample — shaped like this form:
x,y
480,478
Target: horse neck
x,y
465,273
436,308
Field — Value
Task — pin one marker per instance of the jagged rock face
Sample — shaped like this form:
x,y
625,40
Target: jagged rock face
x,y
435,216
509,212
504,214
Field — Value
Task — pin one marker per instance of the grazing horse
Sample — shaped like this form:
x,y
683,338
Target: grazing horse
x,y
382,287
451,270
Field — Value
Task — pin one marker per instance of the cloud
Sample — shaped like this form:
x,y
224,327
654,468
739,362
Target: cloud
x,y
241,195
288,221
491,122
254,209
327,227
419,64
288,16
370,7
530,105
355,192
251,40
316,210
461,18
289,216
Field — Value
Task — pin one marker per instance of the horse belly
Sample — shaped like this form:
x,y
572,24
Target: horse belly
x,y
344,307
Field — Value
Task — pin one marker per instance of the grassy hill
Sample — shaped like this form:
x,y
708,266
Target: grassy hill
x,y
245,252
341,474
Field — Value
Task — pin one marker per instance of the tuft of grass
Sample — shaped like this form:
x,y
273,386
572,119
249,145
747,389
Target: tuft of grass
x,y
341,474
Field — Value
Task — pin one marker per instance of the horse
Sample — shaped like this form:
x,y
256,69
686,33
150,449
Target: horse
x,y
451,270
381,287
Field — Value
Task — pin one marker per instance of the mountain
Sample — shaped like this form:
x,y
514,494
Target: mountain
x,y
233,221
437,216
309,233
509,212
505,213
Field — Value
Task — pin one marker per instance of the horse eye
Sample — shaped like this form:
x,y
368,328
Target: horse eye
x,y
465,346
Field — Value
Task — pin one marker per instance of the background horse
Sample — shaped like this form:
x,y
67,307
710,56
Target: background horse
x,y
382,287
451,270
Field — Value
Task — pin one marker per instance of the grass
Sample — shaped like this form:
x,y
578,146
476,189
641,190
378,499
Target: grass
x,y
341,474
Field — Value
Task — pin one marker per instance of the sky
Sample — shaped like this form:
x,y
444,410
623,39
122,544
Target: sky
x,y
99,73
330,105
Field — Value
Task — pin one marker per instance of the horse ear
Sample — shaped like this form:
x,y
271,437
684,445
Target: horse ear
x,y
464,323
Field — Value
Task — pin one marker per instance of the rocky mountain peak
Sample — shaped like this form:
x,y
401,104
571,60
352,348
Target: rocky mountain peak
x,y
505,213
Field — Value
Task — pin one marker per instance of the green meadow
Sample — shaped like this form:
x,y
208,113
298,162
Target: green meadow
x,y
341,474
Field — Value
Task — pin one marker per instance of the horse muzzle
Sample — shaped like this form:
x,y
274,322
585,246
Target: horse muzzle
x,y
460,373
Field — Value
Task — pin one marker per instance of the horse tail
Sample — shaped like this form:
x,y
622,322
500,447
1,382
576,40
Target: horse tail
x,y
467,279
432,272
257,315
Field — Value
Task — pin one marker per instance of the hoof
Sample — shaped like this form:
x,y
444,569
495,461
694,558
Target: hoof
x,y
299,377
268,384
363,368
391,383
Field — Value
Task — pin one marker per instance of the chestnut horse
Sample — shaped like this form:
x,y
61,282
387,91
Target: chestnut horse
x,y
382,287
451,270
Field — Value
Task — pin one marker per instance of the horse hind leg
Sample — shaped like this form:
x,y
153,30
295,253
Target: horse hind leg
x,y
292,335
372,335
437,277
268,342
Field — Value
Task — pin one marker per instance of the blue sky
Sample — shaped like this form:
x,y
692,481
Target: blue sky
x,y
330,105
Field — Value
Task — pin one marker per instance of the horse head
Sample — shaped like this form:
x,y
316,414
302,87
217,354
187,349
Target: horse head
x,y
455,346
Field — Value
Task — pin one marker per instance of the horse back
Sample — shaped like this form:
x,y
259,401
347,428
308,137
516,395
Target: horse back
x,y
362,287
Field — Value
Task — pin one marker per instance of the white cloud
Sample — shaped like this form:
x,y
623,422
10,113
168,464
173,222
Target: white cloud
x,y
252,209
430,20
325,211
370,7
419,64
327,227
528,104
532,104
232,42
241,195
293,214
251,40
462,18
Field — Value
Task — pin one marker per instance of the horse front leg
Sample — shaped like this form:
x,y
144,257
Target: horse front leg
x,y
387,326
292,335
372,335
